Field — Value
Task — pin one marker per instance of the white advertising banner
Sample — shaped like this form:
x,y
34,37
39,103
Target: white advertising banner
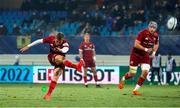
x,y
106,75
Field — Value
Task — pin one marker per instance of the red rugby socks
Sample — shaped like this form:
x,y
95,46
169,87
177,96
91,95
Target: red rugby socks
x,y
85,79
141,81
69,64
95,78
51,87
127,76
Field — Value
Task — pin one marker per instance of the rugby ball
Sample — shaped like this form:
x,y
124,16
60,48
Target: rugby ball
x,y
172,23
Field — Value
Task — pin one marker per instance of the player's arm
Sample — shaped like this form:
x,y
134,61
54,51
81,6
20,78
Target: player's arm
x,y
30,45
94,54
156,46
81,51
139,46
65,48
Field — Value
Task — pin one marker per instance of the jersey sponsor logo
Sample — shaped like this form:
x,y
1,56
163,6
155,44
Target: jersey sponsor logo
x,y
88,49
146,38
131,62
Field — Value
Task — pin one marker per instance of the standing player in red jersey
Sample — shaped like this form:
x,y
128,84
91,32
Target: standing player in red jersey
x,y
146,44
87,53
58,49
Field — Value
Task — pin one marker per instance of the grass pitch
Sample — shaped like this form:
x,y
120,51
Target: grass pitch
x,y
30,95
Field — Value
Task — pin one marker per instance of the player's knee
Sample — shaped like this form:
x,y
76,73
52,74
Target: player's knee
x,y
145,67
145,70
55,77
58,61
133,70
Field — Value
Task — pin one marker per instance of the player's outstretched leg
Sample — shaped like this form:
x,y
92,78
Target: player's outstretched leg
x,y
61,59
130,74
77,66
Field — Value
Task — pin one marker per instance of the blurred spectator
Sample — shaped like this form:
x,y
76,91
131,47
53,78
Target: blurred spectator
x,y
155,67
3,29
99,3
39,32
86,29
17,60
113,15
114,25
109,22
116,11
120,23
170,67
16,29
95,31
46,17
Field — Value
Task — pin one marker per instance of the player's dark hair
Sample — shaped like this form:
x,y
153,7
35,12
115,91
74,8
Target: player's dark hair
x,y
60,36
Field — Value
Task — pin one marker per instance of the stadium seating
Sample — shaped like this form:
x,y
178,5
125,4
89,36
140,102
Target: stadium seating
x,y
116,22
108,18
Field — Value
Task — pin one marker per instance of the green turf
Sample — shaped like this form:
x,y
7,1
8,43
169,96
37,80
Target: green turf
x,y
77,95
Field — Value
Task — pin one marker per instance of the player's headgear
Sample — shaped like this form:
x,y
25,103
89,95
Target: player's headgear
x,y
152,24
60,36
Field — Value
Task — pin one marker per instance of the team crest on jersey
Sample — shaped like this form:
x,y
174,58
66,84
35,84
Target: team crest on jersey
x,y
131,62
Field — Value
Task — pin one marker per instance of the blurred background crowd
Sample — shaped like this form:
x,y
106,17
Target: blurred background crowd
x,y
98,17
112,24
